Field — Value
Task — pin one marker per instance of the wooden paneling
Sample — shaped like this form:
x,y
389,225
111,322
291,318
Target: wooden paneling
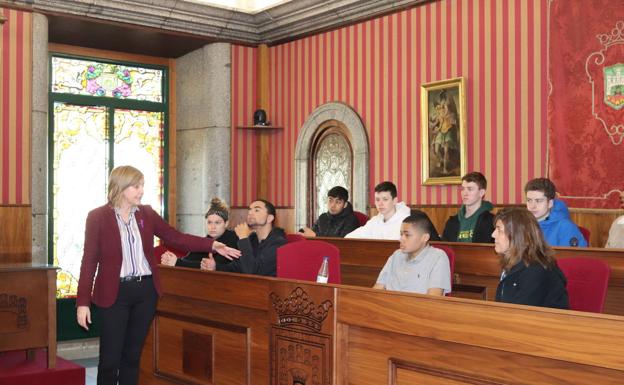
x,y
399,339
333,334
186,350
597,221
231,308
107,54
28,309
475,264
99,34
15,237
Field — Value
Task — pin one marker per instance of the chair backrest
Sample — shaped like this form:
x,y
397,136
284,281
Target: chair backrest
x,y
302,260
450,253
294,237
362,218
587,282
586,233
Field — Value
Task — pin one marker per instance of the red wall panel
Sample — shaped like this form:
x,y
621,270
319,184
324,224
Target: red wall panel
x,y
377,67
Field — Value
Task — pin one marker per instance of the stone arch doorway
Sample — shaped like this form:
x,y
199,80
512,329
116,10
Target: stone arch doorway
x,y
347,120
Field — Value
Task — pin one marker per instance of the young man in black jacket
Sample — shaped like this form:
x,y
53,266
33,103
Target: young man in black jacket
x,y
474,221
258,243
339,220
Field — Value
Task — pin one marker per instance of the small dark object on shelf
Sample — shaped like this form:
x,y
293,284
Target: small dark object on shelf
x,y
260,118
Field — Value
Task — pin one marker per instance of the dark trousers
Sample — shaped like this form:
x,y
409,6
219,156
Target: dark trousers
x,y
123,328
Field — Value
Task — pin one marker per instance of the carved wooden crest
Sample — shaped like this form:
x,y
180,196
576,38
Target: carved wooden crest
x,y
301,348
299,310
15,304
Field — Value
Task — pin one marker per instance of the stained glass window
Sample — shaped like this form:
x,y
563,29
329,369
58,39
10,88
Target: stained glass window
x,y
89,77
79,171
332,168
139,142
91,135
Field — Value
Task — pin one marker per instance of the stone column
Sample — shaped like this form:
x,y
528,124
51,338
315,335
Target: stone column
x,y
39,139
203,133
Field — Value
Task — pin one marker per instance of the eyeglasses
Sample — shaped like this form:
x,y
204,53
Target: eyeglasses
x,y
537,200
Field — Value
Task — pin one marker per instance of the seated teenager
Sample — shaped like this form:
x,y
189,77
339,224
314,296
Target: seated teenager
x,y
387,223
339,219
616,232
552,214
530,273
216,227
258,243
416,267
474,221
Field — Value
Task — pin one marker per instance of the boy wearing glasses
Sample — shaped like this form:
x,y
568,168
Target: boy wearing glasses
x,y
552,214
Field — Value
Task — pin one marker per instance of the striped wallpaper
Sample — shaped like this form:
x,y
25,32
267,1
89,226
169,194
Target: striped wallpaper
x,y
15,106
377,67
243,172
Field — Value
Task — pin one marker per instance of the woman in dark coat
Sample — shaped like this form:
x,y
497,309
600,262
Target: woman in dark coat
x,y
530,273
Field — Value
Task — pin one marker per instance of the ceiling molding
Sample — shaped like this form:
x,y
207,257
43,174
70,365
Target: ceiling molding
x,y
283,22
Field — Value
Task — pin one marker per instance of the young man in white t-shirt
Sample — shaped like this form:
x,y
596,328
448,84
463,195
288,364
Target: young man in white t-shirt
x,y
416,267
387,223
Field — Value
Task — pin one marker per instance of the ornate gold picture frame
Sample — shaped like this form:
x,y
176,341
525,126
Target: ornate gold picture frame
x,y
443,126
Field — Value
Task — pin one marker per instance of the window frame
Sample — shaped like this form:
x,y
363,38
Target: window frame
x,y
111,104
327,128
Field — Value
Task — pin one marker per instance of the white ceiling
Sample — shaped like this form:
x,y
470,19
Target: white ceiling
x,y
247,6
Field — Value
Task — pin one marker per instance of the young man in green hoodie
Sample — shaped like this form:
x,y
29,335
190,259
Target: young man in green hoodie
x,y
474,222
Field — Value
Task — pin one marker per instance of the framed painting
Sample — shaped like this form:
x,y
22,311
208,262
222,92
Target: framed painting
x,y
443,109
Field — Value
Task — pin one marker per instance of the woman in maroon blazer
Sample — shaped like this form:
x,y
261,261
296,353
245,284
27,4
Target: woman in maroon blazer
x,y
119,244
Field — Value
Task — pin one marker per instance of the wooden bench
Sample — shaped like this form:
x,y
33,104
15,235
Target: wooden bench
x,y
476,265
217,328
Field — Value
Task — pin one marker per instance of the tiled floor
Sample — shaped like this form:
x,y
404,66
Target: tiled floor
x,y
90,365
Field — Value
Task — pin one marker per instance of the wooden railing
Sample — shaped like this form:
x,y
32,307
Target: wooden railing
x,y
221,328
476,264
597,221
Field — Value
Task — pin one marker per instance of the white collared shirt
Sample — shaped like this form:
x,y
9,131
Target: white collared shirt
x,y
134,262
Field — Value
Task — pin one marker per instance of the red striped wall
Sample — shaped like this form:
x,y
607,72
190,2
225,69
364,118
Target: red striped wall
x,y
377,67
15,106
243,172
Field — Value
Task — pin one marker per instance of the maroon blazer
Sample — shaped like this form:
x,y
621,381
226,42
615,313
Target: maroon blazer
x,y
102,252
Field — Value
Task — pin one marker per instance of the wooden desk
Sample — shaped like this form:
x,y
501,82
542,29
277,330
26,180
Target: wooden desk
x,y
221,328
476,264
28,308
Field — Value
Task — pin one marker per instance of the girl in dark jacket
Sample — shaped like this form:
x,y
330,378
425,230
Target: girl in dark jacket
x,y
216,226
530,273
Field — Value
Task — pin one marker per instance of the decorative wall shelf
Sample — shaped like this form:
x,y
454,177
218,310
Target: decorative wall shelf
x,y
259,127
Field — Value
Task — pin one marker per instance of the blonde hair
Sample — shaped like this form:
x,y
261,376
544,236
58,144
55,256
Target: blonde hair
x,y
121,178
218,207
